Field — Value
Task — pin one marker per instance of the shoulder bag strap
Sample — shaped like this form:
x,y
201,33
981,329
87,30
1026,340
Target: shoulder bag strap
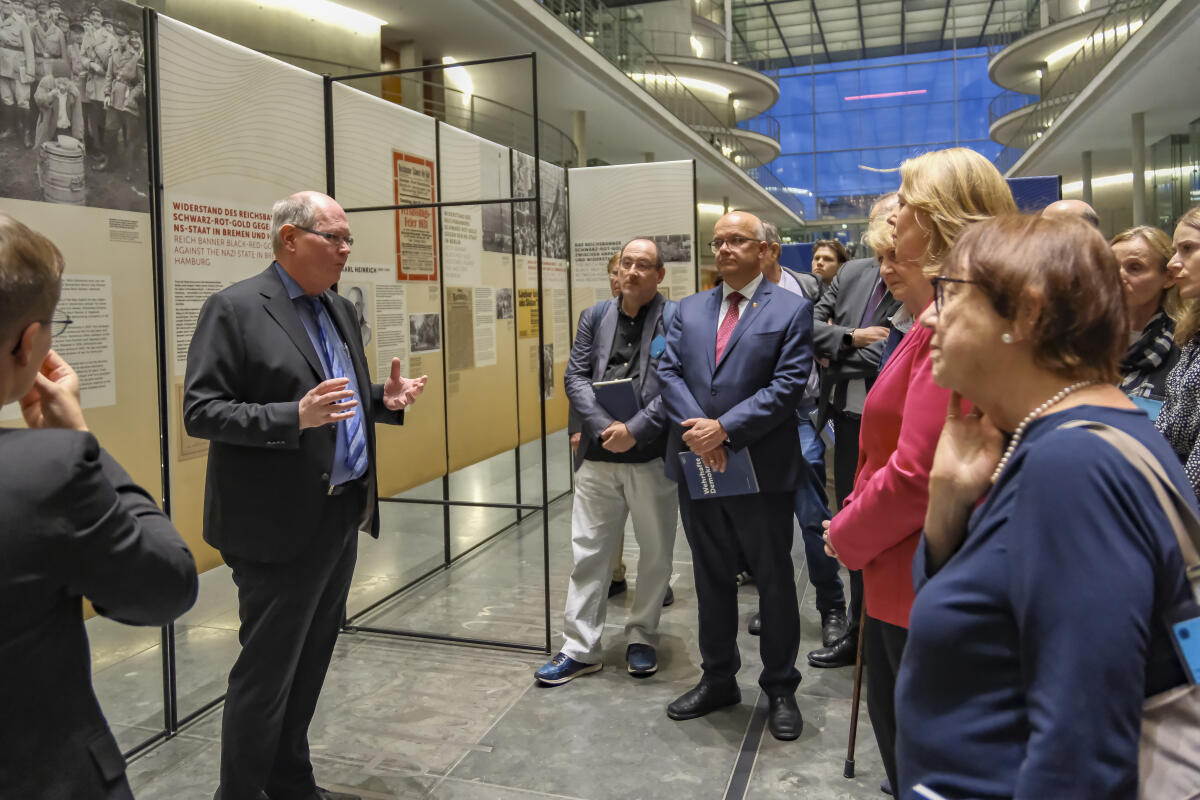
x,y
1179,513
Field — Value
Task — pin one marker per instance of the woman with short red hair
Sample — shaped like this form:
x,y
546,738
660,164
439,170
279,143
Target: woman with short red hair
x,y
1040,620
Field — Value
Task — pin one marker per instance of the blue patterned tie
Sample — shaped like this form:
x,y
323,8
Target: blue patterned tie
x,y
356,441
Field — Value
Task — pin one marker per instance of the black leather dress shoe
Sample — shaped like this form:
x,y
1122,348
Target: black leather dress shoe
x,y
755,626
705,697
840,654
783,719
833,626
616,587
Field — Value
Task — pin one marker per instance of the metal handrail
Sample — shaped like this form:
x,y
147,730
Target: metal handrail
x,y
1112,31
1006,103
711,10
616,35
491,119
763,124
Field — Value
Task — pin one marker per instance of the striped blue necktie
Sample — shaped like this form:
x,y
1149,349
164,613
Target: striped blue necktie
x,y
356,441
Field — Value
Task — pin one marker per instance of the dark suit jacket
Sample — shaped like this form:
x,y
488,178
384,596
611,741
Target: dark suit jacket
x,y
249,363
842,306
72,524
589,357
754,391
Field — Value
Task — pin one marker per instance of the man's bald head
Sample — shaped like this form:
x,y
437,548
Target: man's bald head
x,y
1073,209
311,238
742,246
742,219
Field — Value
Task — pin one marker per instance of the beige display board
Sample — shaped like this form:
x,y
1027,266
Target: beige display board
x,y
611,205
384,154
552,307
239,131
108,292
477,276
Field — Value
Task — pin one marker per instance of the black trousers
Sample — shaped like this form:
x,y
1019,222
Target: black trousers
x,y
846,428
882,648
759,528
290,617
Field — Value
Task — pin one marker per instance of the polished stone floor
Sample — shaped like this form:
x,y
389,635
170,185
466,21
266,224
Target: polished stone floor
x,y
404,718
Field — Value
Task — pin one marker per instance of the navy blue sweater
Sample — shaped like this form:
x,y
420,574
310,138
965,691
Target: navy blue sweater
x,y
1031,650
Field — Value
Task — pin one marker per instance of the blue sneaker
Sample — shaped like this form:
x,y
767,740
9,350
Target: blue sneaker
x,y
641,660
563,668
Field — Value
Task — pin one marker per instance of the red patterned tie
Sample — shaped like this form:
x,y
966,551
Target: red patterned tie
x,y
728,324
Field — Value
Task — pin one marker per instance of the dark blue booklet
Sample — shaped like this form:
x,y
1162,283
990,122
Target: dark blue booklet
x,y
704,482
618,398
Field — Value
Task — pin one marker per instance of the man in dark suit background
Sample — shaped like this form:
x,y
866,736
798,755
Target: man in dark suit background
x,y
277,381
73,524
618,470
736,363
851,325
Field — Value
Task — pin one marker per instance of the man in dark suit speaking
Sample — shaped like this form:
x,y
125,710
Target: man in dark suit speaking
x,y
72,524
277,381
735,368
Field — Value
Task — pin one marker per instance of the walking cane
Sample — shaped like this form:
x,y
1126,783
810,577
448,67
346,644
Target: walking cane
x,y
848,769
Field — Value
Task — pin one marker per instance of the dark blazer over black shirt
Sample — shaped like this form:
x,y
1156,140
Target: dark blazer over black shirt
x,y
249,364
589,358
73,524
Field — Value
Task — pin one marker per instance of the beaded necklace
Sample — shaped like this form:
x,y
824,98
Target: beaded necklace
x,y
1030,417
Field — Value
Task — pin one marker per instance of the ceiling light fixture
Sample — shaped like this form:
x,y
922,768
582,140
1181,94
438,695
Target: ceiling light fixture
x,y
1074,47
884,94
691,83
330,14
459,77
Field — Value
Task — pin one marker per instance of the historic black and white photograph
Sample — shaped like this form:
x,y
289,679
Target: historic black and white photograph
x,y
504,303
524,219
674,248
497,228
424,332
554,213
73,103
358,295
548,370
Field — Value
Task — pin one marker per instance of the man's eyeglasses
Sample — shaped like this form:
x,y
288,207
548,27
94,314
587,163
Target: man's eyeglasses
x,y
939,289
329,237
735,242
56,324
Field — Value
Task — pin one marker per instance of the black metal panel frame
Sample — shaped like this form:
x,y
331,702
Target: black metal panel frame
x,y
448,558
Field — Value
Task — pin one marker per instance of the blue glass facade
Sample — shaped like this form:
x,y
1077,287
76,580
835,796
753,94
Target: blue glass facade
x,y
840,121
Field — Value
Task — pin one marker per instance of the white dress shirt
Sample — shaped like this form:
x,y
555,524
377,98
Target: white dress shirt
x,y
746,292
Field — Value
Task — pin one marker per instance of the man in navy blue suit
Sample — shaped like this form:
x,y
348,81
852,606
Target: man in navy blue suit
x,y
735,368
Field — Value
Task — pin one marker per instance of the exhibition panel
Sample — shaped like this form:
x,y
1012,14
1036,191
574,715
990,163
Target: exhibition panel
x,y
611,205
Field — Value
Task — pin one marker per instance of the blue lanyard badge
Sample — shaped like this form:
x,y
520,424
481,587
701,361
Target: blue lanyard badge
x,y
658,346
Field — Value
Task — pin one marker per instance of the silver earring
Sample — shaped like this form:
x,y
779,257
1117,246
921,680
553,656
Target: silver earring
x,y
1006,338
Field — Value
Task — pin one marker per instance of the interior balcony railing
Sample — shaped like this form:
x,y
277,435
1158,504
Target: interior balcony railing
x,y
1111,32
616,34
1006,103
763,124
711,10
489,119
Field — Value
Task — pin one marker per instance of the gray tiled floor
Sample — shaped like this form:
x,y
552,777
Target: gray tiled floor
x,y
401,718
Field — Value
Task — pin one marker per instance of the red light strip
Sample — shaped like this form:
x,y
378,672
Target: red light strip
x,y
884,94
